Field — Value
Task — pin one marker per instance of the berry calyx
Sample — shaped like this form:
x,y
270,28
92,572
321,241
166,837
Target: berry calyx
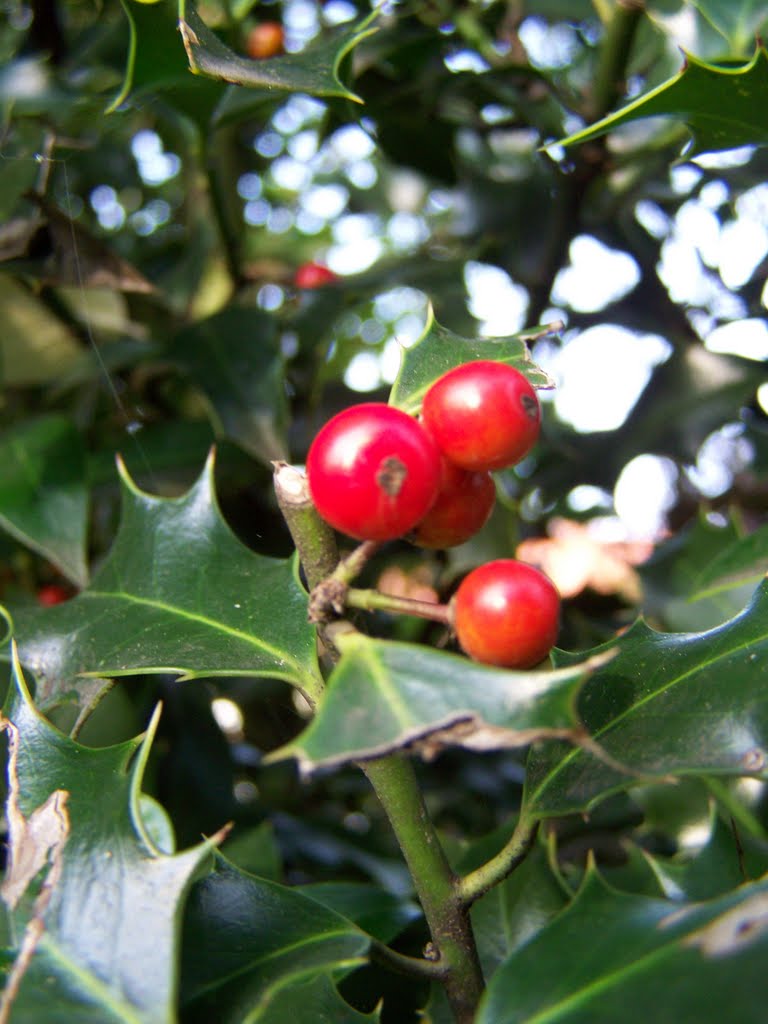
x,y
483,415
264,40
506,613
463,504
52,593
373,472
313,275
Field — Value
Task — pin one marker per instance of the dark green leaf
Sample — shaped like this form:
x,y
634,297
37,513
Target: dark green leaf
x,y
383,696
234,358
438,350
629,958
246,939
744,560
667,704
74,822
314,70
376,911
178,593
43,495
311,1002
722,105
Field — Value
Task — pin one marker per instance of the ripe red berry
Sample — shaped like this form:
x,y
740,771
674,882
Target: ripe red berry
x,y
373,472
483,415
313,275
52,593
266,39
506,613
463,504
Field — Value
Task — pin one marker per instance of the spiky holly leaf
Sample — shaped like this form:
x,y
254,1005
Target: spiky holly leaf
x,y
86,884
439,350
384,696
667,704
721,104
617,952
314,70
177,593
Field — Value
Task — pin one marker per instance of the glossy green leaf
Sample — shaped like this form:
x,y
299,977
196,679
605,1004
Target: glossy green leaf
x,y
439,350
629,958
308,1002
247,939
375,910
667,704
722,105
384,696
314,70
235,359
75,825
43,493
744,560
178,593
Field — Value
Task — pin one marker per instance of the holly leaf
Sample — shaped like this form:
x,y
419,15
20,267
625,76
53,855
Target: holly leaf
x,y
314,70
384,696
248,942
737,21
234,358
742,561
43,495
667,704
721,104
439,350
308,1002
177,593
618,952
86,884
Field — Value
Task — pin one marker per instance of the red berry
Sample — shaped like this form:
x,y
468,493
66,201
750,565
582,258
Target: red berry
x,y
265,40
373,472
313,275
52,593
482,415
506,613
463,504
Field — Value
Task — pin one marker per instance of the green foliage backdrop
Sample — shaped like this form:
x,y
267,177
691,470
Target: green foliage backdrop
x,y
189,835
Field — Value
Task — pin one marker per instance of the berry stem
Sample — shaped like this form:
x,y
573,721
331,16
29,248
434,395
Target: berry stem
x,y
318,553
474,885
374,600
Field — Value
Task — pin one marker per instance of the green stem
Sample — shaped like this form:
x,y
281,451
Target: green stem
x,y
614,53
478,882
374,600
395,784
736,808
394,781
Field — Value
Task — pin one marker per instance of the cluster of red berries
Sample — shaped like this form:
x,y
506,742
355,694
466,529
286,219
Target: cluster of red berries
x,y
376,473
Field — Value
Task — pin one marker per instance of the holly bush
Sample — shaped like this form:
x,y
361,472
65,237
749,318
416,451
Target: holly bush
x,y
221,809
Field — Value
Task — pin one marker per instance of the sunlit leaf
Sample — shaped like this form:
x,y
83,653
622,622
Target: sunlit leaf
x,y
667,704
721,104
107,886
43,493
744,560
178,593
439,350
384,696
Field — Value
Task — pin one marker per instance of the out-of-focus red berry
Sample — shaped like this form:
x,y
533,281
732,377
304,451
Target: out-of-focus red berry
x,y
313,275
52,593
266,39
